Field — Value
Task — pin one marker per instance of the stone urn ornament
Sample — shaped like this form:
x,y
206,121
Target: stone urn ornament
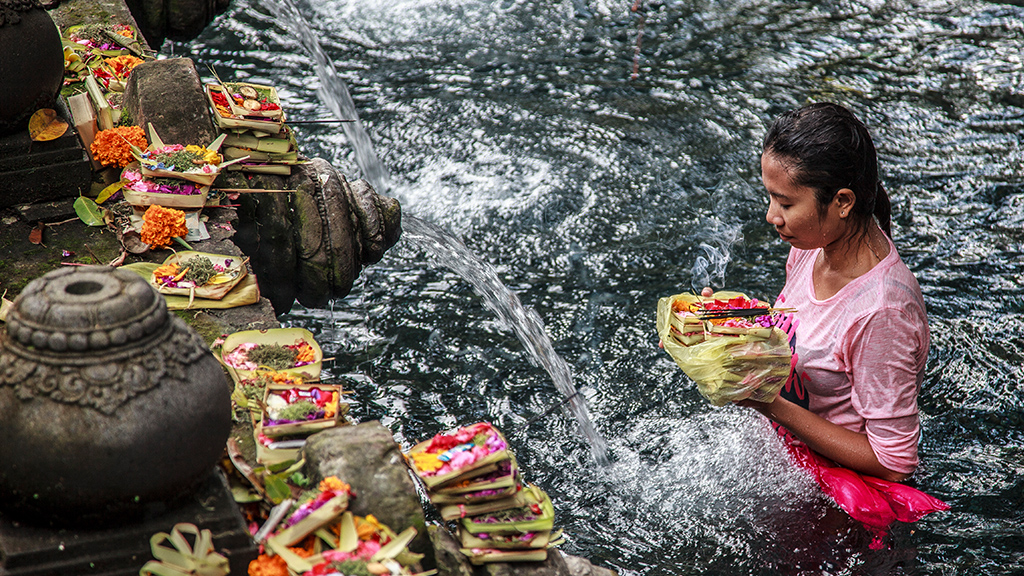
x,y
108,403
31,63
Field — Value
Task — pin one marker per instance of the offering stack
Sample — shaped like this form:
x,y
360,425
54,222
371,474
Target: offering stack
x,y
252,122
276,374
471,476
729,344
172,175
318,536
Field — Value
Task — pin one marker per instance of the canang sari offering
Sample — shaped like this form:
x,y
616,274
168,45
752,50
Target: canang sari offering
x,y
727,343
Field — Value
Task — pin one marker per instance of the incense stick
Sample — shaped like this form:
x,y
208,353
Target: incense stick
x,y
248,190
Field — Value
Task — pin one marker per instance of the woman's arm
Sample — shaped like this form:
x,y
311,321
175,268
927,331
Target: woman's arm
x,y
844,447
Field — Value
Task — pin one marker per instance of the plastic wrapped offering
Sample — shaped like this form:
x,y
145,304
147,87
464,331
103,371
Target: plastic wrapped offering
x,y
727,343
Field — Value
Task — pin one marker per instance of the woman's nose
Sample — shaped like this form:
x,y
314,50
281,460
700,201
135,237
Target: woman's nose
x,y
772,215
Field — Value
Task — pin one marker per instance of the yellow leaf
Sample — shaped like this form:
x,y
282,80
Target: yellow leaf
x,y
109,191
45,125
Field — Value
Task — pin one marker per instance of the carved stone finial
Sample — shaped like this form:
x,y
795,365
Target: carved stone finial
x,y
99,382
96,338
10,10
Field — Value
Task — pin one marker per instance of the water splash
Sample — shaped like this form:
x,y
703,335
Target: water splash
x,y
333,93
450,252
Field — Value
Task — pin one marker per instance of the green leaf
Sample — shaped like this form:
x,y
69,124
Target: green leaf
x,y
407,558
89,211
280,467
109,191
328,538
239,398
277,489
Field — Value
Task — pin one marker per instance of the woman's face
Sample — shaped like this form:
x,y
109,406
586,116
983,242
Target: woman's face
x,y
793,209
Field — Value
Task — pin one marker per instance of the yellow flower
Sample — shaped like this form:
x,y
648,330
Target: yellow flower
x,y
208,156
211,157
367,527
331,408
425,461
160,224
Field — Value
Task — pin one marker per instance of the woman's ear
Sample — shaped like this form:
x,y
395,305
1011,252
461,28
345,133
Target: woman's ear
x,y
844,201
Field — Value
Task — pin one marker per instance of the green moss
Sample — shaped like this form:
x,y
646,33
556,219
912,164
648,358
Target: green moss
x,y
204,325
125,118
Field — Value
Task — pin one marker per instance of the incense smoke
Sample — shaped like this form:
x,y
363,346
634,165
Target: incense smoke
x,y
711,267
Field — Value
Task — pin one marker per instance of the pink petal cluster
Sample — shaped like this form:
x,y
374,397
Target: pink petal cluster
x,y
364,551
311,506
238,358
139,183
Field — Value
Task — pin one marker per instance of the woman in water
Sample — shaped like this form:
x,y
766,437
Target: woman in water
x,y
861,341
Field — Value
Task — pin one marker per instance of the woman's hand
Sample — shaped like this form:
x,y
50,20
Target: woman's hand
x,y
763,407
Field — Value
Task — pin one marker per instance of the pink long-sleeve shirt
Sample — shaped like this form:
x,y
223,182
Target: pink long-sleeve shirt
x,y
862,352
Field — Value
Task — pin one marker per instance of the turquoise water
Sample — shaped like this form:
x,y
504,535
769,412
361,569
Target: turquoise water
x,y
518,127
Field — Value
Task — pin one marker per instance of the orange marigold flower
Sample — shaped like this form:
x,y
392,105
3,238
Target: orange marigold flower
x,y
122,65
265,565
113,147
160,224
333,483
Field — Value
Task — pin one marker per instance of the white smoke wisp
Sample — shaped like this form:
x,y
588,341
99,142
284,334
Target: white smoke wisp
x,y
709,269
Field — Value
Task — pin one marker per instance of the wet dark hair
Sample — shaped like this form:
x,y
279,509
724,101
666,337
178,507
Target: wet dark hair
x,y
827,148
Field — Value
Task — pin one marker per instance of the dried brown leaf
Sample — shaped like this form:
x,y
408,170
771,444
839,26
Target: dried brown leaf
x,y
46,125
36,235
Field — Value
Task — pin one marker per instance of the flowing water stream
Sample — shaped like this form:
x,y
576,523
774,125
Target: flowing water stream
x,y
444,249
448,251
520,128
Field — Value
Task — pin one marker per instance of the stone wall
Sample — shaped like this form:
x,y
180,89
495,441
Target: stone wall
x,y
174,19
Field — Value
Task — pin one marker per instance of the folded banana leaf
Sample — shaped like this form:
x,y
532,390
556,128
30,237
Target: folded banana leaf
x,y
525,541
455,511
536,515
505,474
479,556
728,363
461,500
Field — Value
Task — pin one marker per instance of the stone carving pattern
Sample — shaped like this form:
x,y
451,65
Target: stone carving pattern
x,y
109,383
10,10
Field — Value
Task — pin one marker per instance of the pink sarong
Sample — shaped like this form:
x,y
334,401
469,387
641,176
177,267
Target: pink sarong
x,y
873,502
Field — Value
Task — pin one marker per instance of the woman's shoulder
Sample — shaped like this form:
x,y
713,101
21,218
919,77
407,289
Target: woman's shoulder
x,y
800,258
890,285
